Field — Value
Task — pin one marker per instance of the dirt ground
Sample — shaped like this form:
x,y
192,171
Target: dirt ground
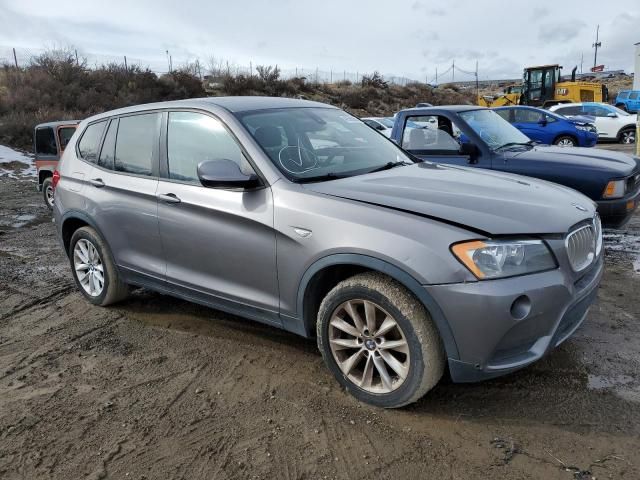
x,y
158,388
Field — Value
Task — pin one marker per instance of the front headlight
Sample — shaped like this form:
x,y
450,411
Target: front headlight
x,y
488,259
584,128
615,189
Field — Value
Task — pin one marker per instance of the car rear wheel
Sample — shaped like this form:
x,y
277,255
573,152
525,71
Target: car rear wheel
x,y
93,268
565,141
47,192
379,341
627,136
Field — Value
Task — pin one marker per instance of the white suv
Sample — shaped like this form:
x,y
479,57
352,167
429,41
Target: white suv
x,y
611,122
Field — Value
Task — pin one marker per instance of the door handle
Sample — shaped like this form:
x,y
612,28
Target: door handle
x,y
169,198
97,182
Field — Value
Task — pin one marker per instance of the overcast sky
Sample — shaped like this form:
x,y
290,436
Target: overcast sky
x,y
410,38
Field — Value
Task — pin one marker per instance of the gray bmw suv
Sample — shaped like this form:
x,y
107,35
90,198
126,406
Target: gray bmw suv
x,y
298,215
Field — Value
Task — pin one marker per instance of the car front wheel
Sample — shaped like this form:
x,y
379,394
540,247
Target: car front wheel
x,y
627,136
379,341
565,141
94,270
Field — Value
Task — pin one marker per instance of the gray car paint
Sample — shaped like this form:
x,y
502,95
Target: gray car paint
x,y
241,252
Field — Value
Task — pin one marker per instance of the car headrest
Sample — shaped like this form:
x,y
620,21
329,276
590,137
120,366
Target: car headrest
x,y
268,136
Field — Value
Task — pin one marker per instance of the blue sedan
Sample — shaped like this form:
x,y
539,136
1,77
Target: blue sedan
x,y
550,128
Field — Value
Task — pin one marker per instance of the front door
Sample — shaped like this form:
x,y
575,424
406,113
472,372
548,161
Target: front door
x,y
219,245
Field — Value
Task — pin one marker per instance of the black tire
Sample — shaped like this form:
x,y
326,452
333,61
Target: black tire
x,y
622,106
426,353
563,140
627,136
114,289
47,192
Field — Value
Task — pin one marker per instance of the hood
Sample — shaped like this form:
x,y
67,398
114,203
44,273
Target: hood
x,y
617,164
490,202
582,119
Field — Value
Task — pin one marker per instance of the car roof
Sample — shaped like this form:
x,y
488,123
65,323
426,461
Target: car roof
x,y
527,107
232,104
57,123
447,108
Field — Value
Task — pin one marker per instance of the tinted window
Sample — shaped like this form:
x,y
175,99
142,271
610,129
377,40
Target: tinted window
x,y
137,139
634,95
623,95
575,110
524,115
107,154
595,110
46,142
65,134
504,114
193,138
88,146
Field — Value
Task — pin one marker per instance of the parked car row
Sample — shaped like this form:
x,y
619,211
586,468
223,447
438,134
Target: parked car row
x,y
404,258
611,122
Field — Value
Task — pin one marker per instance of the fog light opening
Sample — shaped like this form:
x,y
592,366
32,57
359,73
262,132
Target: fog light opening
x,y
521,307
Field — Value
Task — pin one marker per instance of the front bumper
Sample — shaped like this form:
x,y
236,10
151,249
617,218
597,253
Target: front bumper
x,y
616,213
494,338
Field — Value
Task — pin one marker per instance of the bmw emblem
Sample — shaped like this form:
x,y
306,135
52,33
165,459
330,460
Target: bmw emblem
x,y
579,207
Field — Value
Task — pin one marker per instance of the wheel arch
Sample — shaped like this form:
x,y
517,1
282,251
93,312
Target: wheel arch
x,y
72,221
337,267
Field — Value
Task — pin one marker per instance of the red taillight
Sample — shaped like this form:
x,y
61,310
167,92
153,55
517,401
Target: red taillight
x,y
55,179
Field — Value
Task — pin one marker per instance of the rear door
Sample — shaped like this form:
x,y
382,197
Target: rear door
x,y
633,104
121,195
219,244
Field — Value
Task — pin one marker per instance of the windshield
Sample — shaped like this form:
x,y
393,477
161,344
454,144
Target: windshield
x,y
619,111
323,143
494,129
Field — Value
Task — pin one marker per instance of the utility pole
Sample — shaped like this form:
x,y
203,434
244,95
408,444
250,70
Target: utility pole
x,y
453,71
477,82
436,75
125,63
168,61
77,62
581,62
15,58
596,46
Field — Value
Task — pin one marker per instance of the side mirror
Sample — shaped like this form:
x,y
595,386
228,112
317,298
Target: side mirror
x,y
612,115
470,150
225,173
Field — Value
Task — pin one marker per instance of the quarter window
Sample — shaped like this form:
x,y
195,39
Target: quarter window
x,y
430,134
193,138
88,146
136,142
46,142
65,134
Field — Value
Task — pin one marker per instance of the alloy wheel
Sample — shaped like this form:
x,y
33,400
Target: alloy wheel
x,y
565,142
628,137
49,195
369,346
88,267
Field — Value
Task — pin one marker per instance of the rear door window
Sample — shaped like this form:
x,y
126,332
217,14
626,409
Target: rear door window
x,y
46,142
107,154
89,143
137,144
634,95
574,110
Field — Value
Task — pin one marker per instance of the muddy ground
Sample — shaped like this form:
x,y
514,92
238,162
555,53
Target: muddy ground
x,y
160,388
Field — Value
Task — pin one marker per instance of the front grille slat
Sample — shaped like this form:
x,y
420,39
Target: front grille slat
x,y
582,245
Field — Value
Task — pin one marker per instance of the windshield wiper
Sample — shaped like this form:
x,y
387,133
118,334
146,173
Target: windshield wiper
x,y
389,166
320,178
530,143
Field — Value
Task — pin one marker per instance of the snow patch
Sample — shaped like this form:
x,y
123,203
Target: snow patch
x,y
9,156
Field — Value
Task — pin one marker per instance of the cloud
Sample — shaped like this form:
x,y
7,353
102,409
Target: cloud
x,y
560,32
539,12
